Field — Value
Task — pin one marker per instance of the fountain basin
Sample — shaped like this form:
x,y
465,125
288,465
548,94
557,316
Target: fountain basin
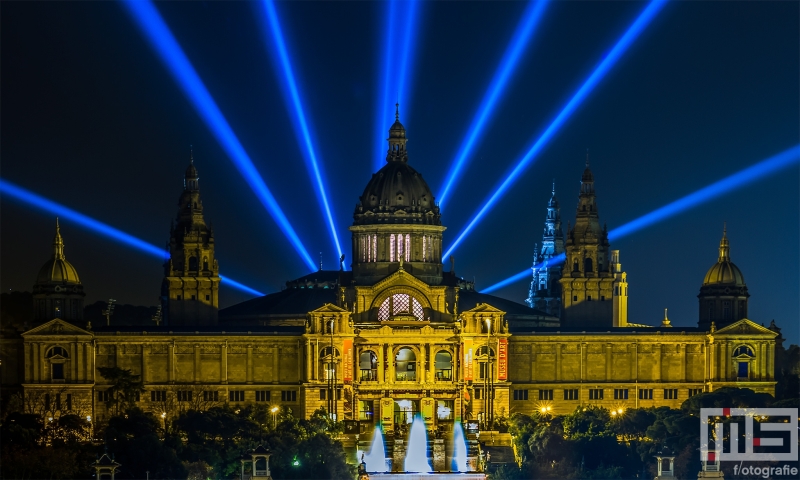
x,y
427,476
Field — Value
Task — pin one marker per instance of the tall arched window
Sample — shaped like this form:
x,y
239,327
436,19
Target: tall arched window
x,y
742,356
58,357
400,304
328,359
587,265
368,366
406,365
443,362
485,357
193,264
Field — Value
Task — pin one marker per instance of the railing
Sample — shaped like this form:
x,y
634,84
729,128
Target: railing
x,y
444,375
369,375
406,377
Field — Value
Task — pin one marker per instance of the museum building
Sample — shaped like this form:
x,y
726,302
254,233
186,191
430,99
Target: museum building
x,y
396,335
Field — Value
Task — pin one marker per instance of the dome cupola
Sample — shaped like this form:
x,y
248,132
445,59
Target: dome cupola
x,y
723,295
397,221
58,292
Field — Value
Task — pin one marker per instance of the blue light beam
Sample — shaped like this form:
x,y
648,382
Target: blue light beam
x,y
599,72
163,42
96,226
507,66
395,77
298,115
741,178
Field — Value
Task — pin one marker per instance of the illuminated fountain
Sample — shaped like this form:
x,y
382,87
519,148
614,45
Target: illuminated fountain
x,y
459,463
417,452
376,459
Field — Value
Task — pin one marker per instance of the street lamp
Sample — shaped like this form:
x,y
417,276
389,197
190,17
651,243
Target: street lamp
x,y
274,411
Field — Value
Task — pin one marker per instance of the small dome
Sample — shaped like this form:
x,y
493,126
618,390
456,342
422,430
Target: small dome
x,y
58,270
396,187
724,272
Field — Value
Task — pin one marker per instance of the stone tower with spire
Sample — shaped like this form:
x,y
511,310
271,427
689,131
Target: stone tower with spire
x,y
58,292
397,221
723,295
190,290
594,287
545,291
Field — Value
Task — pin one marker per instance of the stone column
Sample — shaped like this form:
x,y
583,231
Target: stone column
x,y
381,365
73,360
634,359
422,373
308,360
725,361
658,348
223,364
37,367
712,364
390,358
609,359
89,351
583,362
196,368
80,361
683,362
249,364
145,352
762,361
171,362
770,361
276,352
533,363
27,363
558,362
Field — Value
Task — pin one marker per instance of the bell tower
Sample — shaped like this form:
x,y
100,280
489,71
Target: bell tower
x,y
594,287
190,290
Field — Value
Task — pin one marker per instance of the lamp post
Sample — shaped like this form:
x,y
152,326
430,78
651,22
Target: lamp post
x,y
274,412
164,419
488,400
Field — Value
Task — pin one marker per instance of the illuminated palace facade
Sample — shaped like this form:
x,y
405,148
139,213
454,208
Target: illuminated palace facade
x,y
397,336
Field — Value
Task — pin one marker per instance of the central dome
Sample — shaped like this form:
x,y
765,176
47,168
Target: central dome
x,y
58,270
724,272
397,193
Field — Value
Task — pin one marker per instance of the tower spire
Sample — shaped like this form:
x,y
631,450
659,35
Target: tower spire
x,y
724,247
397,111
58,243
397,139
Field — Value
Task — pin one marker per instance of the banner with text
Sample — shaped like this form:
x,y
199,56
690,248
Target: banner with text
x,y
502,359
468,359
347,360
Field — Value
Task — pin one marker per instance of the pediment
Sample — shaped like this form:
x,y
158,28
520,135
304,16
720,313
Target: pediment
x,y
401,277
56,327
329,308
484,308
745,327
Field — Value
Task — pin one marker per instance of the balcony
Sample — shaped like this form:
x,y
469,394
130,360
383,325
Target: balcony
x,y
369,375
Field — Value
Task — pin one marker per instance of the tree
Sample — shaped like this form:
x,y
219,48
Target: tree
x,y
124,390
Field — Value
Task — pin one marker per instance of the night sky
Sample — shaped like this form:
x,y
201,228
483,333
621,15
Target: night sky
x,y
92,119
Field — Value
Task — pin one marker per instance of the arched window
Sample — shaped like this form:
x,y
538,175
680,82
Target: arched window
x,y
205,263
575,267
328,358
57,356
400,304
193,264
406,365
443,363
587,265
368,366
742,356
485,362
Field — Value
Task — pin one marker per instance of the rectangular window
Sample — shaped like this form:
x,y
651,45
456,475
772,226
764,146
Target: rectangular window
x,y
520,394
211,396
478,394
574,298
103,396
589,298
408,247
262,396
620,394
595,394
545,394
602,298
193,297
391,247
695,391
374,248
69,402
570,394
58,371
645,394
208,298
158,396
184,395
236,396
288,395
670,393
323,394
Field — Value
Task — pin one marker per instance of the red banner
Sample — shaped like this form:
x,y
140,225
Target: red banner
x,y
502,359
347,360
467,359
